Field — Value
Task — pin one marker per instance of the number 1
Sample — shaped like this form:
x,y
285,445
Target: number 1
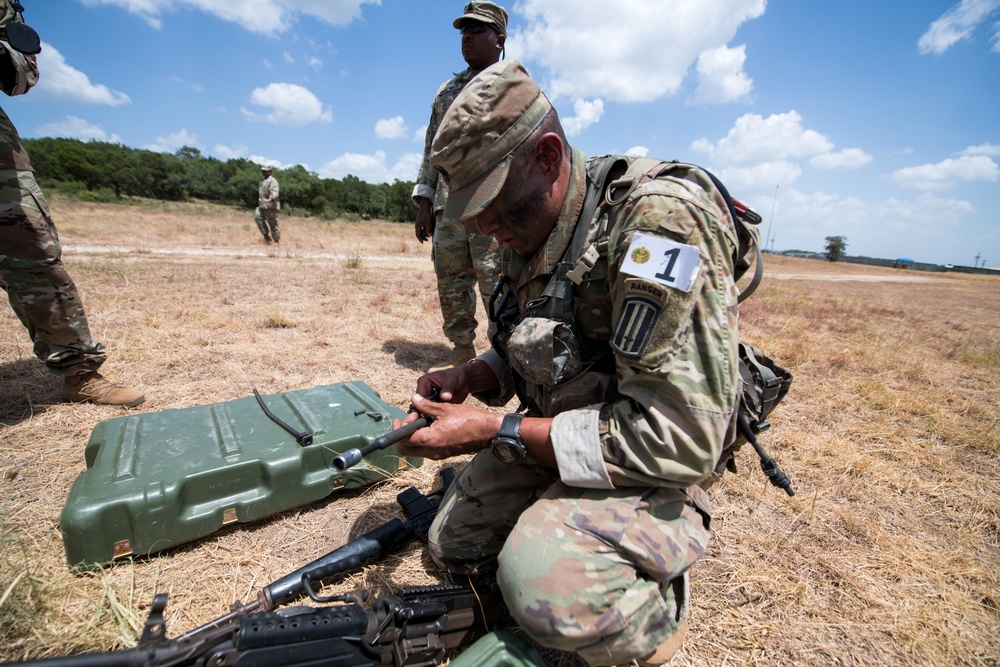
x,y
671,256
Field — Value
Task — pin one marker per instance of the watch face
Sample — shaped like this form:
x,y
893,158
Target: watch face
x,y
508,451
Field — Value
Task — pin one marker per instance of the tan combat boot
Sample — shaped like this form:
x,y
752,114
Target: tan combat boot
x,y
461,355
94,388
667,649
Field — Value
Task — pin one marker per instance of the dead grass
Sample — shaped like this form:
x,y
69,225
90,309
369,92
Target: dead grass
x,y
889,554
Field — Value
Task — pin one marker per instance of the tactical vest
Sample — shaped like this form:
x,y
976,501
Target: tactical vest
x,y
582,372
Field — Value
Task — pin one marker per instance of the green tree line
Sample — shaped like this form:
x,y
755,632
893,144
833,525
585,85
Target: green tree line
x,y
105,171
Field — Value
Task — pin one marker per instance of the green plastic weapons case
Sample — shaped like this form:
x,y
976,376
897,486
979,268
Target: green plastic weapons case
x,y
155,480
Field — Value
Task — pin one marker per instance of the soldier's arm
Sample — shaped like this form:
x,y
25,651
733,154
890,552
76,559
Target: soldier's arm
x,y
675,346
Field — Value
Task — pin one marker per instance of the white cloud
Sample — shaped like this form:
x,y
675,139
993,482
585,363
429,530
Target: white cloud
x,y
641,151
760,177
314,62
420,133
173,142
584,115
268,17
258,159
721,77
641,55
391,128
372,168
290,105
756,139
849,158
956,24
59,81
981,149
947,173
77,128
230,152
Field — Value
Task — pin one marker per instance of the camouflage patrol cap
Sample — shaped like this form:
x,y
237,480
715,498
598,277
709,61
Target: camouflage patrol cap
x,y
493,115
489,13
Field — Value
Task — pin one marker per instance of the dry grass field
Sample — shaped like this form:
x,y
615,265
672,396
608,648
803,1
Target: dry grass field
x,y
888,554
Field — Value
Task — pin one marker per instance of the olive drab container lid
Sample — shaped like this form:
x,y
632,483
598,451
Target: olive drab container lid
x,y
158,479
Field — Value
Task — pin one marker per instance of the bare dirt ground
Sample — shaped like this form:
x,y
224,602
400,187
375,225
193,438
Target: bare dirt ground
x,y
888,554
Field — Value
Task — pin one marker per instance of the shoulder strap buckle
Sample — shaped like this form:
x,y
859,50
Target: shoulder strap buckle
x,y
584,264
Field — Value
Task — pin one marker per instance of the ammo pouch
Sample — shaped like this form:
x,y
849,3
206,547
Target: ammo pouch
x,y
544,351
552,368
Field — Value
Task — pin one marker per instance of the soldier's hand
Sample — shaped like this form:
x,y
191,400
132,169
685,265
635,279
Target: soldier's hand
x,y
424,225
450,383
455,430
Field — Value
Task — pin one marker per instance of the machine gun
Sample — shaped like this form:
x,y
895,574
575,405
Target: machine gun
x,y
415,626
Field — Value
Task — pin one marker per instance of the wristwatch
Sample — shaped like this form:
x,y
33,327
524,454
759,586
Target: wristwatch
x,y
506,445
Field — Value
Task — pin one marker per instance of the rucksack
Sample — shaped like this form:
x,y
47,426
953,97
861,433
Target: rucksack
x,y
764,383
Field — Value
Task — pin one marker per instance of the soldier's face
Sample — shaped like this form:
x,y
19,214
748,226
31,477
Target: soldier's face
x,y
480,45
520,217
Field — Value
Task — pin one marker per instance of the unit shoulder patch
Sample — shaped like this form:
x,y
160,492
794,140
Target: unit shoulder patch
x,y
638,318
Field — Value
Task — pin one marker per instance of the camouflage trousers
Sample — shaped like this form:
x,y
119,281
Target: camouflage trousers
x,y
267,223
600,573
462,257
39,288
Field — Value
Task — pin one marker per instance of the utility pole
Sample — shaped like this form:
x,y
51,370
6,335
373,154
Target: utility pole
x,y
975,264
771,221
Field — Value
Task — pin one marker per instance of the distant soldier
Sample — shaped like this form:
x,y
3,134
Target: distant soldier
x,y
267,207
462,256
32,274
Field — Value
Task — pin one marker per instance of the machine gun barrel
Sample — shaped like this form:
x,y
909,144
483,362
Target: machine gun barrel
x,y
353,456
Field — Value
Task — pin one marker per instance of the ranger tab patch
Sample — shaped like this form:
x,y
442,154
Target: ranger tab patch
x,y
663,261
635,325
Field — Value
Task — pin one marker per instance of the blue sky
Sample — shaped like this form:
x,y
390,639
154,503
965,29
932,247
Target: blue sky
x,y
876,121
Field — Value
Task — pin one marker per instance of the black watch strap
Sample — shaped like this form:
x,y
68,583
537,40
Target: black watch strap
x,y
507,446
510,427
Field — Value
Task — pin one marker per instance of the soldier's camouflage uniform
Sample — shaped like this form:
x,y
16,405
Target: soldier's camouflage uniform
x,y
462,256
268,205
593,555
38,286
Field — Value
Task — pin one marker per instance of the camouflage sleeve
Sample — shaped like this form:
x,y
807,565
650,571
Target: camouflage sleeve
x,y
675,339
427,177
18,72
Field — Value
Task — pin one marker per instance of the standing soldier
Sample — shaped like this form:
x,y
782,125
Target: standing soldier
x,y
462,256
32,274
267,207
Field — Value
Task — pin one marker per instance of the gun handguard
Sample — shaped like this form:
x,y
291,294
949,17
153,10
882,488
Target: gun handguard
x,y
353,456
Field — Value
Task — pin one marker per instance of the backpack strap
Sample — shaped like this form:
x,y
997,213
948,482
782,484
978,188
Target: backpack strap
x,y
739,221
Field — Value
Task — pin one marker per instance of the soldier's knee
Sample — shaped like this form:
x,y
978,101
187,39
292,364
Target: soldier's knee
x,y
583,599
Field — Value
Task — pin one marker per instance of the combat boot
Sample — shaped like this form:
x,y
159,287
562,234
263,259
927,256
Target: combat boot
x,y
461,355
667,649
94,388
